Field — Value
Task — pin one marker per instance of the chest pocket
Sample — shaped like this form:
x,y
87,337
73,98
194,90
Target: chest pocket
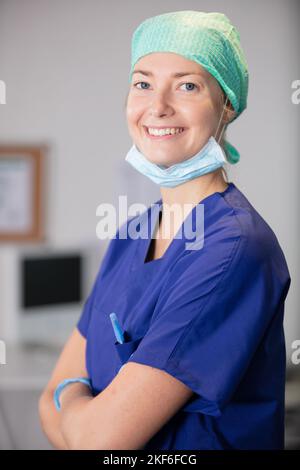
x,y
126,349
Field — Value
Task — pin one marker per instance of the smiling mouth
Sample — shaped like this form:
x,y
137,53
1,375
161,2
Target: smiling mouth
x,y
164,136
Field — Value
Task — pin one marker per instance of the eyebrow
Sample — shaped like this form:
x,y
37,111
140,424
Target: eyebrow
x,y
175,75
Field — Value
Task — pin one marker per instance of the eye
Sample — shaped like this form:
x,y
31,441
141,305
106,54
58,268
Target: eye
x,y
189,83
138,83
146,83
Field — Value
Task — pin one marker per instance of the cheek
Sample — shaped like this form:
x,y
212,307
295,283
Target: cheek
x,y
133,119
134,110
200,117
130,114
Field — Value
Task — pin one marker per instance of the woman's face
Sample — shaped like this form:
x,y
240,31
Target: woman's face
x,y
157,98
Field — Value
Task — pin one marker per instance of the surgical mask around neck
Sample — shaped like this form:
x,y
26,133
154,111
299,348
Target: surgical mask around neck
x,y
208,159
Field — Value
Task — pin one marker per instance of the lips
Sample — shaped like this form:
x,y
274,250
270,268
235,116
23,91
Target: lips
x,y
163,137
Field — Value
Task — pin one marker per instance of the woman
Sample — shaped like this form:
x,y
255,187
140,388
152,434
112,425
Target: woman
x,y
201,364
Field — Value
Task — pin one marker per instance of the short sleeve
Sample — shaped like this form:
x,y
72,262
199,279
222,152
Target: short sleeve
x,y
212,315
83,322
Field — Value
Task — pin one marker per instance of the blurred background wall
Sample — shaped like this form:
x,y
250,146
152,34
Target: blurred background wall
x,y
66,65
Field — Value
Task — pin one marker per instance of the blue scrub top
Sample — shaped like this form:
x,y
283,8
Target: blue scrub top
x,y
211,317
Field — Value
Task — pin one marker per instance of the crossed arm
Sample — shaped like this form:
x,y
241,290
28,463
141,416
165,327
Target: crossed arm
x,y
125,415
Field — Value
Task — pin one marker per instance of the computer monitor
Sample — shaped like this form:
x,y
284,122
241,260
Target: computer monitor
x,y
50,280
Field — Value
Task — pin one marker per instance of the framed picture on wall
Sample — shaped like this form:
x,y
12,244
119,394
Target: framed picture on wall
x,y
21,193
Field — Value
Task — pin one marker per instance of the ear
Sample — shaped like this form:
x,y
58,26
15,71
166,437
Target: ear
x,y
229,113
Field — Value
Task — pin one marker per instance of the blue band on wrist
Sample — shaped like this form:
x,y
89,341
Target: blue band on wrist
x,y
63,384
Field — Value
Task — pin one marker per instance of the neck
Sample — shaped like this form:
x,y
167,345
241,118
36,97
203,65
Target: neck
x,y
192,192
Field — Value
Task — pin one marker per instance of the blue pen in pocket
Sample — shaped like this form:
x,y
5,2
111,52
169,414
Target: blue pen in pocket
x,y
117,328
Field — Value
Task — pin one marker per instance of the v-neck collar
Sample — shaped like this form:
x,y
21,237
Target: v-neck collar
x,y
143,244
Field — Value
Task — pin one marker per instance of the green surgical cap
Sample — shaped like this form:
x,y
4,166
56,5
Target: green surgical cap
x,y
206,38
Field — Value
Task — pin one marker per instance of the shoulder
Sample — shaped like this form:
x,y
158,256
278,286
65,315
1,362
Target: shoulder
x,y
236,237
259,241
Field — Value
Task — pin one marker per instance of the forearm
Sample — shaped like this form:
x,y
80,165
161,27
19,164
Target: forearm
x,y
51,422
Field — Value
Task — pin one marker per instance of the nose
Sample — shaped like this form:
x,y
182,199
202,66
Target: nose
x,y
159,105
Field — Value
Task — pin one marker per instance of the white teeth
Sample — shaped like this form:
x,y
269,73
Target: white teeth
x,y
170,130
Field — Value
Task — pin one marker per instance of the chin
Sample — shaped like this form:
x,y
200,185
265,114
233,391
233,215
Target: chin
x,y
157,159
160,161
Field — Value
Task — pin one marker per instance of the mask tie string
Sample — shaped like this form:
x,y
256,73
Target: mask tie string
x,y
220,122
